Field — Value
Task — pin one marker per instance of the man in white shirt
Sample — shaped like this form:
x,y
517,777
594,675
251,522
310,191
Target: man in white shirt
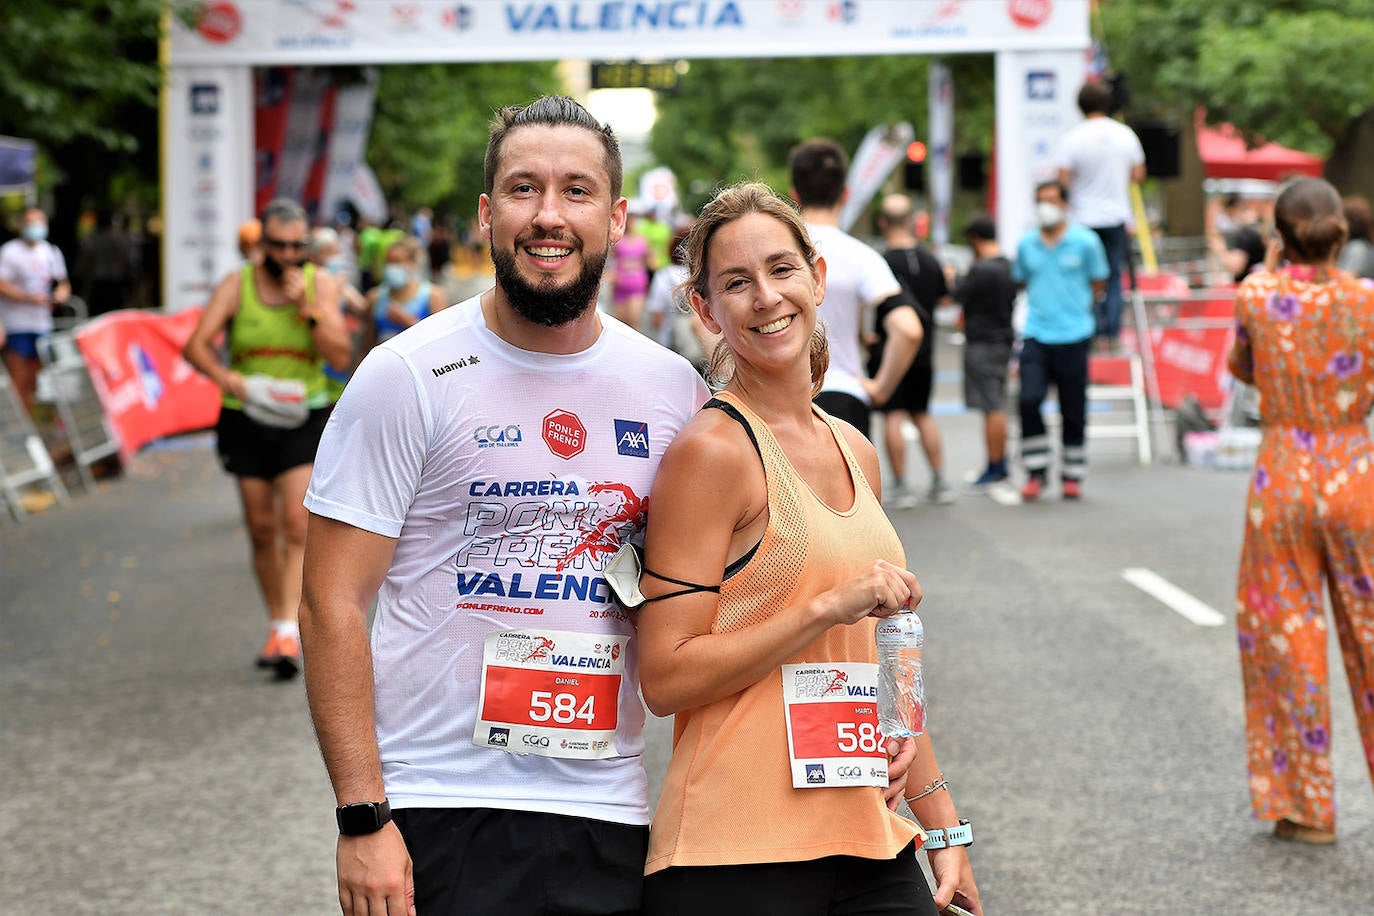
x,y
857,279
476,476
33,280
1099,159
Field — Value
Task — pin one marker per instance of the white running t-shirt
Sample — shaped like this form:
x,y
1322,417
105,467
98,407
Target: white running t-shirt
x,y
1100,153
856,277
505,676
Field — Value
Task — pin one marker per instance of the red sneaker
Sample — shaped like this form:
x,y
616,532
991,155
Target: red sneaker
x,y
1073,489
1031,491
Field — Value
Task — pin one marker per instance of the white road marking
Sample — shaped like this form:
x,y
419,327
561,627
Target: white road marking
x,y
1175,598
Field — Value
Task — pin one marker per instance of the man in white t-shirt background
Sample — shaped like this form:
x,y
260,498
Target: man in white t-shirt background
x,y
857,279
1099,159
33,280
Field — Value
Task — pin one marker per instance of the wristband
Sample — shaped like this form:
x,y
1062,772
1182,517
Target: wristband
x,y
939,837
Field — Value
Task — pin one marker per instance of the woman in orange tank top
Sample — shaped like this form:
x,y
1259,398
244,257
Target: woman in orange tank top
x,y
776,796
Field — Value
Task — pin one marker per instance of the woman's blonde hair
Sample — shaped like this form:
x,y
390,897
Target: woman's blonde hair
x,y
728,205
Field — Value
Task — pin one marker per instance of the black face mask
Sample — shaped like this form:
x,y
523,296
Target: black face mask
x,y
544,303
274,268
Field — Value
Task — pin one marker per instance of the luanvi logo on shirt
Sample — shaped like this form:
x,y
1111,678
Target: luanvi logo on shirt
x,y
460,364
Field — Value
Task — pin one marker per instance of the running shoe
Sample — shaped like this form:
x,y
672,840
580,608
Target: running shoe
x,y
1073,489
1030,492
267,658
899,496
940,493
288,661
989,477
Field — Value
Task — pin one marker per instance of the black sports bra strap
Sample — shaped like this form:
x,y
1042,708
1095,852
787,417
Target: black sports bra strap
x,y
733,412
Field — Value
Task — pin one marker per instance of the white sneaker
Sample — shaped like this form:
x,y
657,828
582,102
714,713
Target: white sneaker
x,y
899,496
940,493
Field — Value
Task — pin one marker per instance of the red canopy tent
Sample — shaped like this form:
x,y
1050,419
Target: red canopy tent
x,y
1224,155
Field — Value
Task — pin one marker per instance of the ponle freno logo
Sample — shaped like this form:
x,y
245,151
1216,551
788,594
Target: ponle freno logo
x,y
1029,14
564,434
219,21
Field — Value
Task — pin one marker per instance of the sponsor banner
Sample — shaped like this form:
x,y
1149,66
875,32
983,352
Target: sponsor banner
x,y
1037,94
878,154
265,32
940,159
18,160
319,155
272,91
832,725
145,387
208,181
348,144
551,693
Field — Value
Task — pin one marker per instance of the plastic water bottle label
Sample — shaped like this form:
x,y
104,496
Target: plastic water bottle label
x,y
832,725
901,689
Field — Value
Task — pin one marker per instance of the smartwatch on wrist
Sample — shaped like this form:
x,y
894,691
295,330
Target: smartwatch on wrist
x,y
362,818
959,835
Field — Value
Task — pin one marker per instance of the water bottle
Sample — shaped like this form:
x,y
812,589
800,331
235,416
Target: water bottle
x,y
901,692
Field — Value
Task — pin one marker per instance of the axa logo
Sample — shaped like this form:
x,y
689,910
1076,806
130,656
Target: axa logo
x,y
815,774
499,737
497,436
845,11
632,438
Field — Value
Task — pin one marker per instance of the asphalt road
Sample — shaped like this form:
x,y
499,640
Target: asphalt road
x,y
1092,735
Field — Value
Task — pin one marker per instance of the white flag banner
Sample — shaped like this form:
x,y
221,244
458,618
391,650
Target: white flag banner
x,y
941,142
882,149
348,141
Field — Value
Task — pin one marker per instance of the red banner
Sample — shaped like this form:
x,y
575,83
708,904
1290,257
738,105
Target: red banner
x,y
146,389
272,87
319,166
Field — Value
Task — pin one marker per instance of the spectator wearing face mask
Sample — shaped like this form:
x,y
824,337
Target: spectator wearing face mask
x,y
33,281
403,297
1063,267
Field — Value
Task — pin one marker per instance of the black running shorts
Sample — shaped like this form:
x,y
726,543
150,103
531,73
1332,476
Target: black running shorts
x,y
475,861
249,449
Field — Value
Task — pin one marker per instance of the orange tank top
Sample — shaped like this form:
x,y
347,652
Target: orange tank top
x,y
727,797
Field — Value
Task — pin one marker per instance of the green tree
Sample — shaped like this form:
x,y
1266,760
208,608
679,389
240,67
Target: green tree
x,y
429,131
735,119
1290,71
81,78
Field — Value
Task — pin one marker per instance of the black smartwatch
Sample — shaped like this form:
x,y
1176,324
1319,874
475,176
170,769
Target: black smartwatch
x,y
362,818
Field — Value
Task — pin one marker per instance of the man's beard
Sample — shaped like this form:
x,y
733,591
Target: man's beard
x,y
544,302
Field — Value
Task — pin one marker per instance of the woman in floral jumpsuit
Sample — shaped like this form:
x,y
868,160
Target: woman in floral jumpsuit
x,y
1305,338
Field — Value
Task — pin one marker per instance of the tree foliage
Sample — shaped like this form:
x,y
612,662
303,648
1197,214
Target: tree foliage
x,y
736,119
429,131
1291,71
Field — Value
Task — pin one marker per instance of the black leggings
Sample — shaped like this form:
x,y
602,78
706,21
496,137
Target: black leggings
x,y
833,886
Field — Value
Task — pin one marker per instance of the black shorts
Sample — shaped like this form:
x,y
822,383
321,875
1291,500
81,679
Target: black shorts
x,y
473,861
913,391
845,407
831,886
248,449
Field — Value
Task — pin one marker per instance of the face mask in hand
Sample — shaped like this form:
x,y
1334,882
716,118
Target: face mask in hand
x,y
395,276
1048,215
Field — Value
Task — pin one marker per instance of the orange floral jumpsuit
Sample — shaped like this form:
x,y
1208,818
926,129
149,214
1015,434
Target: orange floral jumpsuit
x,y
1309,520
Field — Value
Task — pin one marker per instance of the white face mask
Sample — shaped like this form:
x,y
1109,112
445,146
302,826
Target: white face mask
x,y
1048,214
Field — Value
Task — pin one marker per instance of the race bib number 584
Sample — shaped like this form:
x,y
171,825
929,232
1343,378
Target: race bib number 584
x,y
832,725
551,693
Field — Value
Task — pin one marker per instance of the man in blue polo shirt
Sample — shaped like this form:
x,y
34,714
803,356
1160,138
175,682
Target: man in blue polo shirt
x,y
1064,269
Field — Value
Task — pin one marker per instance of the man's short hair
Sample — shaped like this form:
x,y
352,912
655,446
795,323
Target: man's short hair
x,y
895,210
1063,189
284,210
1095,98
819,169
551,111
981,227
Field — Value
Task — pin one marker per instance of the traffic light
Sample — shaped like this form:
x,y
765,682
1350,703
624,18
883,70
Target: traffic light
x,y
914,169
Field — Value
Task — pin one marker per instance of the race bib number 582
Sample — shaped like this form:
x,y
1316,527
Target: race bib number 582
x,y
551,693
832,725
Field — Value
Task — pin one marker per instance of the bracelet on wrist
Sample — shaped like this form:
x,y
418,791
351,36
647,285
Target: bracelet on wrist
x,y
939,783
